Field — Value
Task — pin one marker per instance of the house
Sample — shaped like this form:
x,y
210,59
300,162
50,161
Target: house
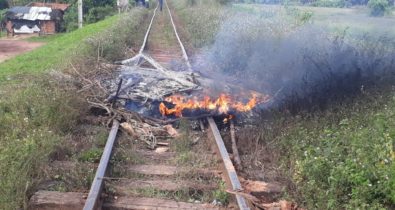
x,y
36,17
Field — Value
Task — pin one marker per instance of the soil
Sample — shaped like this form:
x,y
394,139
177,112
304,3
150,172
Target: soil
x,y
10,48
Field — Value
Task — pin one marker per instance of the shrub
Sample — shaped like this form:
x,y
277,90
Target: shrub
x,y
92,155
224,2
191,2
70,19
343,158
378,7
221,195
114,42
93,12
329,3
202,21
2,22
3,4
99,13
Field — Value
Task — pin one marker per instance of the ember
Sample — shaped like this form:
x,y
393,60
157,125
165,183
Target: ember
x,y
223,104
228,118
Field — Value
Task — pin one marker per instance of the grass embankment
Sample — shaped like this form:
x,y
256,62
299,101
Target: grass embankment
x,y
38,112
339,158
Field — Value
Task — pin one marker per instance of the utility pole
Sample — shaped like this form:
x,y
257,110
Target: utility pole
x,y
80,16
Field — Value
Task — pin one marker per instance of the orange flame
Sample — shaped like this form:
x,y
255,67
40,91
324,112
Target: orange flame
x,y
228,118
222,104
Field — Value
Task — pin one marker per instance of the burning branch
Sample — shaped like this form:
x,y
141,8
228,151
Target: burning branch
x,y
223,104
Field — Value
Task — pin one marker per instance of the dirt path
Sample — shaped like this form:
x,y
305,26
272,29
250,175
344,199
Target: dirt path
x,y
11,48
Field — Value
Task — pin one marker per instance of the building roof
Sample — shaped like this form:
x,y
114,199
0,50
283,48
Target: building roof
x,y
59,6
29,13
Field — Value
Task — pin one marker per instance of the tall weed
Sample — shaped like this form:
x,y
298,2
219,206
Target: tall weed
x,y
34,119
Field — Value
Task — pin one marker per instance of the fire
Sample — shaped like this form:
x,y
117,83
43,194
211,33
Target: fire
x,y
223,104
228,118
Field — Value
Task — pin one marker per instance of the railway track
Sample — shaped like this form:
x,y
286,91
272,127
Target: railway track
x,y
159,173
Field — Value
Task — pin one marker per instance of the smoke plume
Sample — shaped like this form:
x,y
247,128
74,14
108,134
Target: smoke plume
x,y
302,66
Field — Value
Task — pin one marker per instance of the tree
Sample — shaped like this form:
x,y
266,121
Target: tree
x,y
378,7
3,4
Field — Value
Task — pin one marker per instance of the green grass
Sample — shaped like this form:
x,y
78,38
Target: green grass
x,y
45,39
356,20
201,22
33,120
342,158
58,50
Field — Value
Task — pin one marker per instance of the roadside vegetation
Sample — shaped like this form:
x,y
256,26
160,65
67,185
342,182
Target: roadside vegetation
x,y
343,157
93,11
200,29
58,51
331,143
39,110
377,7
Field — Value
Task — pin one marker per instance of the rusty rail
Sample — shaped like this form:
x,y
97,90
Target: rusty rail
x,y
92,202
229,168
184,52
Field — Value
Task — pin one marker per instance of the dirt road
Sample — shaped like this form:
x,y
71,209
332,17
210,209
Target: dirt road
x,y
12,48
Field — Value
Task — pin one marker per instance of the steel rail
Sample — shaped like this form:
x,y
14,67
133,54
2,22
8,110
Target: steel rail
x,y
230,169
184,52
91,202
148,31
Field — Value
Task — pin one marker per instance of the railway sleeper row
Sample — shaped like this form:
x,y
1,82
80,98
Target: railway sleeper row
x,y
141,178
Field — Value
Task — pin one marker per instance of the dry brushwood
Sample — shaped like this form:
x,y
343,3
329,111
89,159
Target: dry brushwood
x,y
235,152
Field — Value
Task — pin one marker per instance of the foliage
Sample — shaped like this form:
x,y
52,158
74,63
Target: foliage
x,y
114,42
221,195
342,158
70,19
99,13
191,2
378,7
92,155
3,4
2,15
93,12
183,144
223,2
329,3
300,17
202,21
33,119
314,3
